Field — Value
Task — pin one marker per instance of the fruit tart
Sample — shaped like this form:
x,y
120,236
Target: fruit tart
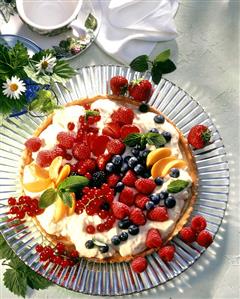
x,y
114,179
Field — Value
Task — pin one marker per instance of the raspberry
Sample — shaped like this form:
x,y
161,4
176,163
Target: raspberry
x,y
102,161
44,158
66,139
129,179
139,264
166,253
113,180
137,216
115,147
198,223
158,214
90,165
120,210
145,186
81,151
128,129
127,196
141,200
153,239
99,144
58,151
33,144
187,235
204,238
112,130
123,116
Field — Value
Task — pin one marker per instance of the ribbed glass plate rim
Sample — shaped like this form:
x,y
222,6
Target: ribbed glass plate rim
x,y
118,279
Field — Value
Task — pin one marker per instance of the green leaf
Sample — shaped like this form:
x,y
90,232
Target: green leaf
x,y
91,22
156,74
8,105
43,53
42,79
91,113
166,67
47,198
66,198
63,70
36,281
177,186
19,56
133,139
72,183
140,63
7,9
45,102
163,56
156,139
15,281
5,251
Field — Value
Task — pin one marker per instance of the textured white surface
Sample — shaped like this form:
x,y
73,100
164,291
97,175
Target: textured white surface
x,y
207,57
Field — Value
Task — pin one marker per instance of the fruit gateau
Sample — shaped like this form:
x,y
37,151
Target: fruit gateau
x,y
113,179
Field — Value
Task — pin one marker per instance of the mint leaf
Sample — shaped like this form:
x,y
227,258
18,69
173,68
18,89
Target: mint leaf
x,y
156,139
163,56
15,281
36,281
140,63
66,198
91,113
156,74
5,251
133,139
72,183
91,22
47,198
177,186
166,67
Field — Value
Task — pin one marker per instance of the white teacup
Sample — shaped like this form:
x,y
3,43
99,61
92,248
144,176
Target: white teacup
x,y
48,16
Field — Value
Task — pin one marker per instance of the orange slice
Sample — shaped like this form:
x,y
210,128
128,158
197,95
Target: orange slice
x,y
157,154
160,165
60,211
38,171
55,168
38,185
173,164
64,173
72,209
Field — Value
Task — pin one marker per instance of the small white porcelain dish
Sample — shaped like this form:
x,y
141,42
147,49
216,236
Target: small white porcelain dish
x,y
47,17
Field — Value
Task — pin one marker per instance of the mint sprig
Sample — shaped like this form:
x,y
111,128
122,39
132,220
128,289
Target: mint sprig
x,y
177,186
141,139
160,65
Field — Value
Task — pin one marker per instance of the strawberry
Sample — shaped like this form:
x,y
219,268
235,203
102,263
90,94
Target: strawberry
x,y
115,147
128,129
44,158
112,180
198,223
153,239
129,179
118,85
139,264
158,214
80,151
33,144
140,200
137,216
204,238
112,130
140,90
127,196
102,160
166,253
199,136
66,139
99,145
120,210
187,235
123,116
145,186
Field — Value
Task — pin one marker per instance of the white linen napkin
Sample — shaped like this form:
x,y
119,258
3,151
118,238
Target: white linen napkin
x,y
132,27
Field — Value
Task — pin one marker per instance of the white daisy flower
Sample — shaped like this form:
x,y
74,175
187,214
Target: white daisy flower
x,y
13,88
46,64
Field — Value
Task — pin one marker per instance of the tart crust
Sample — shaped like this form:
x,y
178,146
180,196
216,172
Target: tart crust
x,y
188,157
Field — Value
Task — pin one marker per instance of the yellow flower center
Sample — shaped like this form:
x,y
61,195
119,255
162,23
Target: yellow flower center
x,y
44,64
13,87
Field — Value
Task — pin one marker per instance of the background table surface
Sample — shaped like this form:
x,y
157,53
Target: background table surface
x,y
206,53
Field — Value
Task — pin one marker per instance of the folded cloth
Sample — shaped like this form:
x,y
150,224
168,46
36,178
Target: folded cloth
x,y
132,27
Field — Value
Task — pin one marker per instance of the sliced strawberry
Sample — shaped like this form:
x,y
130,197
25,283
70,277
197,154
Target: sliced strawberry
x,y
112,130
128,129
99,145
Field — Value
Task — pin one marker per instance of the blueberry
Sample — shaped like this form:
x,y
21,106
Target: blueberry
x,y
133,229
149,205
163,195
154,198
139,169
167,135
124,168
89,244
124,223
154,130
123,236
135,152
170,202
105,206
119,187
115,240
117,160
174,173
104,248
147,174
132,162
159,181
159,119
144,154
126,159
140,146
143,107
110,167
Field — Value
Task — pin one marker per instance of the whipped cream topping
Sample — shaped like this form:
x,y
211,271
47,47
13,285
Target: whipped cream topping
x,y
74,226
